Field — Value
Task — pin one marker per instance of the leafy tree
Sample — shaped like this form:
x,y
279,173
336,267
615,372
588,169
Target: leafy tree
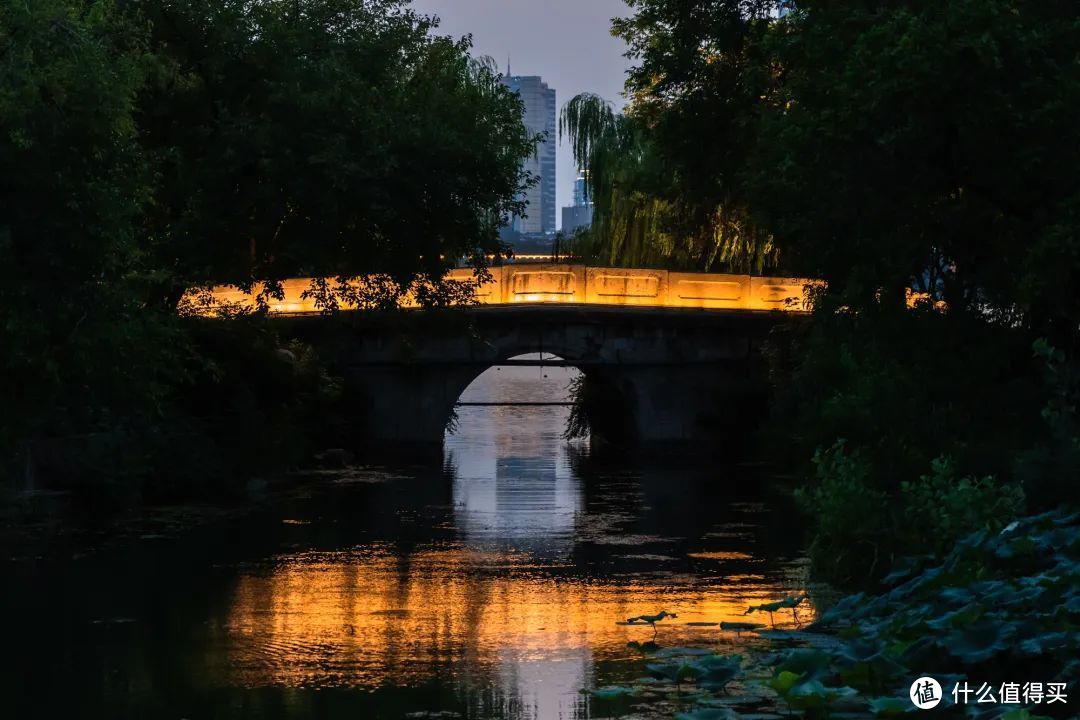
x,y
332,138
885,145
877,145
146,148
667,177
643,214
79,351
698,86
929,143
628,222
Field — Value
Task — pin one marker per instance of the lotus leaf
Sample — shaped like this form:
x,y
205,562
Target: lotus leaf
x,y
862,650
783,681
980,641
708,714
717,678
673,672
682,652
957,618
921,651
1047,642
903,569
1023,714
813,693
716,671
889,706
840,613
806,663
788,603
614,692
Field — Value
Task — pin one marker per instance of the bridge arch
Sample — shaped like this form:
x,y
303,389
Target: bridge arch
x,y
606,403
522,379
669,376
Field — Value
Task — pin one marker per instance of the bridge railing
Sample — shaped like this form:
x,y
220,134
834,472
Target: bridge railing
x,y
581,285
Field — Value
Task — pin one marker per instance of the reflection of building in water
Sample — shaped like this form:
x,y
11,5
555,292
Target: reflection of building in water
x,y
529,505
527,499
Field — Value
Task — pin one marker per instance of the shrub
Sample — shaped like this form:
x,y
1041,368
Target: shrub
x,y
1048,471
940,508
860,527
850,517
906,388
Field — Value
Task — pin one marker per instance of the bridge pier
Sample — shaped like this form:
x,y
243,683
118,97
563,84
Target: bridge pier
x,y
405,405
696,407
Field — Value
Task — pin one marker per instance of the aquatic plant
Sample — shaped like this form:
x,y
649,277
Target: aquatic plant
x,y
788,603
999,607
650,620
673,668
613,692
862,526
706,669
740,627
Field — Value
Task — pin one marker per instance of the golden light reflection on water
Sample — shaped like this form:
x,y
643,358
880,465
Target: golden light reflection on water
x,y
373,618
524,598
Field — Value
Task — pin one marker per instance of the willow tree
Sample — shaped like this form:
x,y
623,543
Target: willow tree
x,y
670,175
641,214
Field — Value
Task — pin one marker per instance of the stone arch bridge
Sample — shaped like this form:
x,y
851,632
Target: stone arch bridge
x,y
676,355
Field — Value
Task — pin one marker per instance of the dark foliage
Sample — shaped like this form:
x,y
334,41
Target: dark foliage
x,y
1000,607
149,148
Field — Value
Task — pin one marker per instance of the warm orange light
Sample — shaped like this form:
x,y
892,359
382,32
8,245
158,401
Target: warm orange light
x,y
916,298
580,285
379,624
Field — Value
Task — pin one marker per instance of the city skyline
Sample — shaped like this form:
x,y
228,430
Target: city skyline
x,y
567,43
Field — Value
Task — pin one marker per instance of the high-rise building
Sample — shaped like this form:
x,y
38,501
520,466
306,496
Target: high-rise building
x,y
540,110
580,213
576,216
581,188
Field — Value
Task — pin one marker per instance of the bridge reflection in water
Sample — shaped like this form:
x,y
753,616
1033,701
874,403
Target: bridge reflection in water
x,y
510,595
581,285
515,491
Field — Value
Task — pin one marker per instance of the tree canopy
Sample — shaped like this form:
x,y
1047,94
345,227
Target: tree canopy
x,y
885,146
669,185
326,138
73,183
930,143
878,145
151,147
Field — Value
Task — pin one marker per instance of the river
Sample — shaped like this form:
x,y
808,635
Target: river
x,y
489,586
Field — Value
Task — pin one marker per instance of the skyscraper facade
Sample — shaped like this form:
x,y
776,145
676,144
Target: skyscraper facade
x,y
580,213
540,111
581,188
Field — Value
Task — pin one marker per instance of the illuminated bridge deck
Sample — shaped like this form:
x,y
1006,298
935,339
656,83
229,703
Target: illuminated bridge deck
x,y
578,285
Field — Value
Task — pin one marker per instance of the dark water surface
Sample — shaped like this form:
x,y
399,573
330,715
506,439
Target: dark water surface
x,y
490,586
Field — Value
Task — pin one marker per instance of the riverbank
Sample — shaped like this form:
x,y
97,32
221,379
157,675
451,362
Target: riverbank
x,y
994,624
